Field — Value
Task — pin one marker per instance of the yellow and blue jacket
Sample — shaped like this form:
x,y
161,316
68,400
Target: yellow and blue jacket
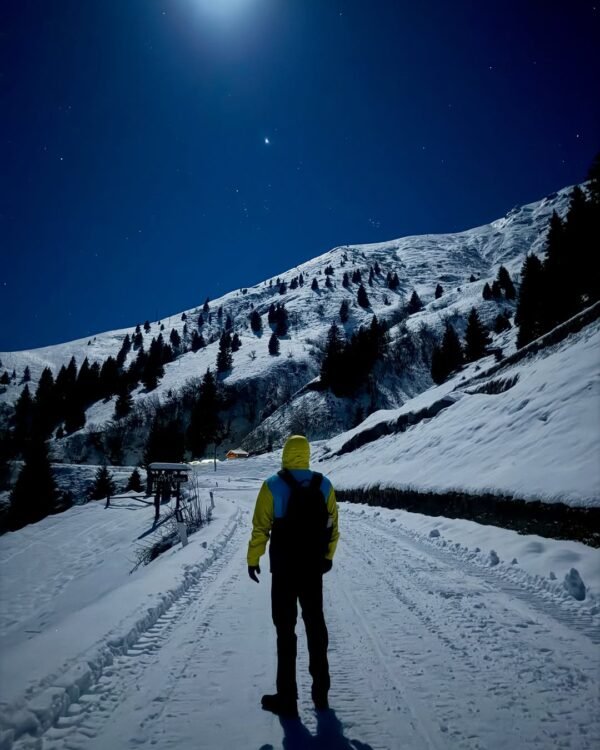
x,y
271,503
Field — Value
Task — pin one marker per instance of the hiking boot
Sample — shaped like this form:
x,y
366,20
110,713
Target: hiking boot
x,y
320,700
280,705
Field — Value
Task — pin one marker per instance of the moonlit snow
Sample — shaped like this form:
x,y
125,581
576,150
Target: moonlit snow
x,y
431,645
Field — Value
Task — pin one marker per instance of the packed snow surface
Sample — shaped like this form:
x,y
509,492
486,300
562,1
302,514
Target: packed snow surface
x,y
443,634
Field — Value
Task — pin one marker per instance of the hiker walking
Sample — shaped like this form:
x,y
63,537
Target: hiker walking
x,y
296,509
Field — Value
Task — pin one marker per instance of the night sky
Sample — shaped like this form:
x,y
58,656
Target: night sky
x,y
155,152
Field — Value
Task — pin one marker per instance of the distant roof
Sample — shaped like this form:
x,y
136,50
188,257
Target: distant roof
x,y
239,450
168,467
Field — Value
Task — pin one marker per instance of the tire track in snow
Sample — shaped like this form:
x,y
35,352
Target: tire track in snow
x,y
85,718
479,657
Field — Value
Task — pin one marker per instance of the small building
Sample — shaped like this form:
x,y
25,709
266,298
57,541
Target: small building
x,y
237,453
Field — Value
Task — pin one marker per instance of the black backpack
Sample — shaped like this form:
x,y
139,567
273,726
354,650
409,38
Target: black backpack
x,y
306,518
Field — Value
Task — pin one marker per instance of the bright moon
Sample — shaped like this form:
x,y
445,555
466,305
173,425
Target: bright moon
x,y
223,9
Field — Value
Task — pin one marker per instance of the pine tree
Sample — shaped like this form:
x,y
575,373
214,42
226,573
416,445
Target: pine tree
x,y
281,321
472,278
496,290
371,276
392,281
282,287
529,316
123,404
165,441
200,321
175,338
377,268
147,326
255,322
294,283
235,343
45,410
228,323
183,317
438,366
124,351
439,290
206,306
344,311
332,364
35,494
362,298
356,276
452,349
345,280
502,323
301,279
103,486
414,303
23,418
153,365
134,483
74,415
328,282
274,345
224,357
195,341
206,426
138,340
5,379
315,284
487,292
109,377
476,337
26,375
506,283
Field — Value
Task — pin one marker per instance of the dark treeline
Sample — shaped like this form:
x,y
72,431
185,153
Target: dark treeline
x,y
60,404
347,363
567,280
451,354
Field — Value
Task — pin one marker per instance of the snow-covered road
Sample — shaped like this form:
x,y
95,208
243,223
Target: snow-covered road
x,y
426,651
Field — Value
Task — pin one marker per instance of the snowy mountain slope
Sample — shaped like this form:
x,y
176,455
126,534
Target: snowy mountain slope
x,y
537,439
435,642
421,262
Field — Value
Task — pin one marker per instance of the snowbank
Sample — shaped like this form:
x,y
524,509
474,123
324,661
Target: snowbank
x,y
70,604
537,440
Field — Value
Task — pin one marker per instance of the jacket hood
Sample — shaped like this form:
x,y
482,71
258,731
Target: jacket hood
x,y
296,453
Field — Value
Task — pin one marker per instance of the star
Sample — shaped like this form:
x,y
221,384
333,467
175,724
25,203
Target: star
x,y
267,141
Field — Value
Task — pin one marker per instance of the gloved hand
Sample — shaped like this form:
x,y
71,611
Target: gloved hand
x,y
252,571
326,565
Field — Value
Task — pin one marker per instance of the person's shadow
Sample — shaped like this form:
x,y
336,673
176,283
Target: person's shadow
x,y
329,736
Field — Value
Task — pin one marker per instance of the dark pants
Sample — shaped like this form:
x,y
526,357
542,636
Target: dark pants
x,y
286,591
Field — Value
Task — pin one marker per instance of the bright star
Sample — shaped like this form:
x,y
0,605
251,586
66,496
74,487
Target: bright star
x,y
267,141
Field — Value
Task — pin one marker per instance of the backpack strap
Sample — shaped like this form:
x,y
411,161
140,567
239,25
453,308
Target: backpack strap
x,y
315,482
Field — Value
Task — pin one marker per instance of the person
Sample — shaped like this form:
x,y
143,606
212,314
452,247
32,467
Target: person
x,y
296,510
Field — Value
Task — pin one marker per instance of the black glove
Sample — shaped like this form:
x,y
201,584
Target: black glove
x,y
252,571
326,565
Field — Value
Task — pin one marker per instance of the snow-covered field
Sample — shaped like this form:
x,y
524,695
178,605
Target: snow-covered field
x,y
443,634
